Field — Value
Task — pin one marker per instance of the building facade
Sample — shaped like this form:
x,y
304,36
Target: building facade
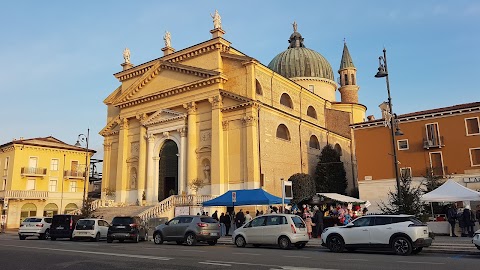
x,y
211,113
442,142
40,177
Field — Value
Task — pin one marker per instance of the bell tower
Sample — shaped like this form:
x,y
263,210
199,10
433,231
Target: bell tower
x,y
348,78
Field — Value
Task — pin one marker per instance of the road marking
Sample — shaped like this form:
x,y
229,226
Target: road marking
x,y
362,260
268,265
220,264
96,253
291,256
192,250
420,262
241,253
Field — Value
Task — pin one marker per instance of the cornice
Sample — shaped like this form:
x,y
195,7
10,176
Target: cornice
x,y
314,79
239,106
152,119
132,72
107,128
234,96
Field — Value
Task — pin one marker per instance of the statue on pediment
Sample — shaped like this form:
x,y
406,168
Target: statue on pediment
x,y
167,38
217,20
126,55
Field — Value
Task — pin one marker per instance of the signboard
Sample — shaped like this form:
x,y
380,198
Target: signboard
x,y
288,189
471,179
182,210
5,204
234,196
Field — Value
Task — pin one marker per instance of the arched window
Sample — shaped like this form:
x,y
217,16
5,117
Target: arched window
x,y
345,76
285,100
311,112
353,79
283,133
314,142
338,149
28,210
50,209
258,88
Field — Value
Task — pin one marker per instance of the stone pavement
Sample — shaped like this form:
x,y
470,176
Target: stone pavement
x,y
441,244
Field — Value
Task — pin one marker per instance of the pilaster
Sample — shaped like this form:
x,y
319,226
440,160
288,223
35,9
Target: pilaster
x,y
121,177
150,169
249,122
217,164
142,154
182,175
191,141
107,150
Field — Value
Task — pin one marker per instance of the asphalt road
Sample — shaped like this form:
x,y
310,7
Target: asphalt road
x,y
64,254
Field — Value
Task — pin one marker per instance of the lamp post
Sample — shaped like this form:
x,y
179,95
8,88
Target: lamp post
x,y
84,138
383,72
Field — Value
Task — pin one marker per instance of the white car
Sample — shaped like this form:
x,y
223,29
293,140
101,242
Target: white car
x,y
404,234
476,239
35,226
284,230
90,228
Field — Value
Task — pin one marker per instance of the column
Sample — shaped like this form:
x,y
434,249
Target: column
x,y
156,162
150,185
182,161
252,161
191,156
217,161
121,177
107,153
142,154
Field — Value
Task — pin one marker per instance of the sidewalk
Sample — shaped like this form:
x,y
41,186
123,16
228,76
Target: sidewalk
x,y
441,244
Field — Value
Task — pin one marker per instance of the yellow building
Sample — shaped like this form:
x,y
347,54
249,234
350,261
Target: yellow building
x,y
40,177
212,113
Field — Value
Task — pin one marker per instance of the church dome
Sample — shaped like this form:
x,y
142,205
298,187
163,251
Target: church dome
x,y
299,61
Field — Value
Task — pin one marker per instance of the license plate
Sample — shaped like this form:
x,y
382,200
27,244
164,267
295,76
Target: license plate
x,y
213,234
121,227
60,228
83,233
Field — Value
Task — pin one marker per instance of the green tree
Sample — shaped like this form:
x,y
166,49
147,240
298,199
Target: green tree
x,y
303,187
410,202
330,175
87,209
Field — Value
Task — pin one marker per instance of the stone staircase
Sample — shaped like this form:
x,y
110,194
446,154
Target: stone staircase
x,y
108,213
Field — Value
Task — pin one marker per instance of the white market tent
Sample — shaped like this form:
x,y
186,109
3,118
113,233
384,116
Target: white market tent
x,y
451,191
341,198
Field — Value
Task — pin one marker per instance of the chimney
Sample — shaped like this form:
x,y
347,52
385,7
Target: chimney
x,y
371,117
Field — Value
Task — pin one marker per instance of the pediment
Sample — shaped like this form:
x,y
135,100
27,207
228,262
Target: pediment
x,y
111,128
162,76
163,115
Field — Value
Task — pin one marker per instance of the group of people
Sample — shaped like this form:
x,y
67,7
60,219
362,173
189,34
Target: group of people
x,y
466,219
228,220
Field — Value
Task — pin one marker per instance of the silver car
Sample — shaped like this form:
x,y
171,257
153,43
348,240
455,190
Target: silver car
x,y
35,226
189,230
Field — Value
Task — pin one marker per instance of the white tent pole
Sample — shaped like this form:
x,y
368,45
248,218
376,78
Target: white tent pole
x,y
431,206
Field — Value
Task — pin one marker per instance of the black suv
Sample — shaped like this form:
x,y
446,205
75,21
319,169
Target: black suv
x,y
127,228
63,226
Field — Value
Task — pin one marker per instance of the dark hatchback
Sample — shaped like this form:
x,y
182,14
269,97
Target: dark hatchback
x,y
127,228
63,226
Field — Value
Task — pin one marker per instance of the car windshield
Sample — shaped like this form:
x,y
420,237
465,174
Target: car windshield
x,y
298,222
33,220
122,220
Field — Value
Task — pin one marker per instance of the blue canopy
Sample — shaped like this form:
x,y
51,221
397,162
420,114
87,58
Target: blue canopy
x,y
246,197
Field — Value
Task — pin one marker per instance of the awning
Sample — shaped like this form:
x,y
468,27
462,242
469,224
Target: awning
x,y
451,191
342,198
245,197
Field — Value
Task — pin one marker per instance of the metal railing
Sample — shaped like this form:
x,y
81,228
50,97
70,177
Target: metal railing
x,y
23,194
74,174
437,142
33,171
437,171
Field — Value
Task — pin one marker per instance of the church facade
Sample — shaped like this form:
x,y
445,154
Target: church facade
x,y
210,114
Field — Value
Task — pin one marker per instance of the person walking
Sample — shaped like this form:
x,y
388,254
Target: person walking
x,y
451,217
215,215
227,220
222,225
248,217
468,221
318,220
239,219
308,223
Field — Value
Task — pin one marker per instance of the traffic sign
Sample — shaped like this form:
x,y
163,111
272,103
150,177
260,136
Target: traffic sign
x,y
234,196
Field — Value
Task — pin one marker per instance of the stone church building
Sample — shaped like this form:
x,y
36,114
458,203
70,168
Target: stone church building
x,y
211,113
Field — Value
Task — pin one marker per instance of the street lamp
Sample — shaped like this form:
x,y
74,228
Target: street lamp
x,y
383,72
84,138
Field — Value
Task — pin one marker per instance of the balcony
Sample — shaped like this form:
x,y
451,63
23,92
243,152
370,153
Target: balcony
x,y
433,143
438,171
24,194
74,175
33,171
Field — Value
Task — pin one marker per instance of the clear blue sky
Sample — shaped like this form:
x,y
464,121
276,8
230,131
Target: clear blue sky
x,y
58,57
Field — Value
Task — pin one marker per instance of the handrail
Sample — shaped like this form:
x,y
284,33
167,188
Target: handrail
x,y
24,194
161,207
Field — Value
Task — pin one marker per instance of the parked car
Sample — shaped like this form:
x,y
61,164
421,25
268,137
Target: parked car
x,y
35,226
127,228
188,229
476,239
404,234
283,230
91,228
63,226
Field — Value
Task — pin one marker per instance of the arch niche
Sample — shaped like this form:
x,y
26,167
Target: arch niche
x,y
168,170
50,209
70,207
28,210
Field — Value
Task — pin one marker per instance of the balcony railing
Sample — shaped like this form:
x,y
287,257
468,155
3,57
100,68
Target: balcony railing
x,y
33,171
74,174
23,194
437,171
433,143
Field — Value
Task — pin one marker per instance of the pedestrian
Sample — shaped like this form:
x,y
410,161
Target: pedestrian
x,y
451,217
215,215
318,220
468,220
248,217
258,213
239,219
222,224
477,214
308,223
228,222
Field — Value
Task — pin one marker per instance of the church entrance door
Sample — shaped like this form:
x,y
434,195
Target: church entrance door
x,y
168,170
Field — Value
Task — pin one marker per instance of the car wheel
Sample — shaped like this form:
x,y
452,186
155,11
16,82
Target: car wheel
x,y
300,245
349,249
137,238
417,250
212,243
335,243
284,242
97,237
109,240
191,239
240,241
53,238
402,246
21,237
145,237
157,239
257,245
47,234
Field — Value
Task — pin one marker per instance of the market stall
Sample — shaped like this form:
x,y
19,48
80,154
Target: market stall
x,y
335,206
